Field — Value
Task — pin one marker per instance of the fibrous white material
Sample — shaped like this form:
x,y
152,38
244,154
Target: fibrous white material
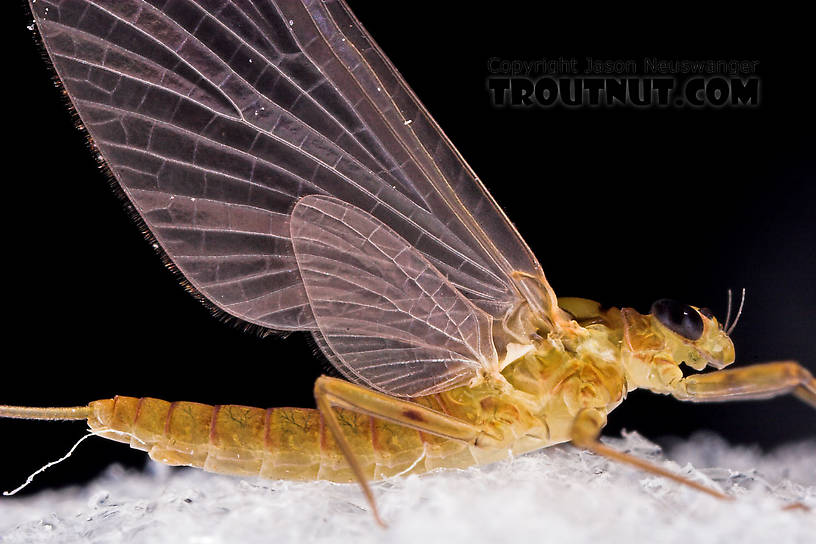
x,y
557,495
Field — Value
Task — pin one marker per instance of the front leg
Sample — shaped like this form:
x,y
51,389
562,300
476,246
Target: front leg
x,y
752,382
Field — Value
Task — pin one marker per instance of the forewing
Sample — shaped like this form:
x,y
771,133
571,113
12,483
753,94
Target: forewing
x,y
386,316
215,116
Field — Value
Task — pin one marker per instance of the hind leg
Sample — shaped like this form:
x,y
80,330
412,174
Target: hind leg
x,y
331,393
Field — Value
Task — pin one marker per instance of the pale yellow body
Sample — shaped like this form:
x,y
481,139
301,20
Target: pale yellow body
x,y
535,408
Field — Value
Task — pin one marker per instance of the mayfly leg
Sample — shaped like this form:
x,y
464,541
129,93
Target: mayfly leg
x,y
760,381
585,431
751,382
333,393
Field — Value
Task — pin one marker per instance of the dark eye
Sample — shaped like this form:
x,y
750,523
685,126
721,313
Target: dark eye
x,y
678,317
706,312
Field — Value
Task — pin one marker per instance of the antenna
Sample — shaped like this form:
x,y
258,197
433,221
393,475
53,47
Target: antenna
x,y
728,315
739,311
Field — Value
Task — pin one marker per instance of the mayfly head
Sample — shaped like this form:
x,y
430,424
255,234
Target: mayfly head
x,y
693,335
672,333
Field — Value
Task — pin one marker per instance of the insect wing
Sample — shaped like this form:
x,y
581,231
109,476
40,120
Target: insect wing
x,y
392,320
217,116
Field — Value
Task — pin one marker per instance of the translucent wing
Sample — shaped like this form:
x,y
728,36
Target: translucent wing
x,y
216,116
392,320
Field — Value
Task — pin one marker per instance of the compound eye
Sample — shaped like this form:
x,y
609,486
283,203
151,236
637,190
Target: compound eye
x,y
706,312
678,317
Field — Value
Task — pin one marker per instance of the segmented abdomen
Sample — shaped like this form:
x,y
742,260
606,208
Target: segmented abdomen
x,y
288,443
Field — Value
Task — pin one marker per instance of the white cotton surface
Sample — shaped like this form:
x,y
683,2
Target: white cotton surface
x,y
557,495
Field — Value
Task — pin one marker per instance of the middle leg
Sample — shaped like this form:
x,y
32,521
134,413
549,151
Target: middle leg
x,y
585,432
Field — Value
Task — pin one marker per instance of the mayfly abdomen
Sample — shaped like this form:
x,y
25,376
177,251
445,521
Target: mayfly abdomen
x,y
274,443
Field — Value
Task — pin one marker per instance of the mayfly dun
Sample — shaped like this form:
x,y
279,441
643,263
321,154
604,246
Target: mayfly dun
x,y
295,181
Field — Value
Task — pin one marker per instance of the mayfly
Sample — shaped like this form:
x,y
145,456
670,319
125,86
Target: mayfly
x,y
295,181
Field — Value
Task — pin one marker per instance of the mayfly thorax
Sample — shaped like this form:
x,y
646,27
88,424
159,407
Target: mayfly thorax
x,y
295,181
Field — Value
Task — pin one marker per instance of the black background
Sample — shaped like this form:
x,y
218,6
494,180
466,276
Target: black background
x,y
621,205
